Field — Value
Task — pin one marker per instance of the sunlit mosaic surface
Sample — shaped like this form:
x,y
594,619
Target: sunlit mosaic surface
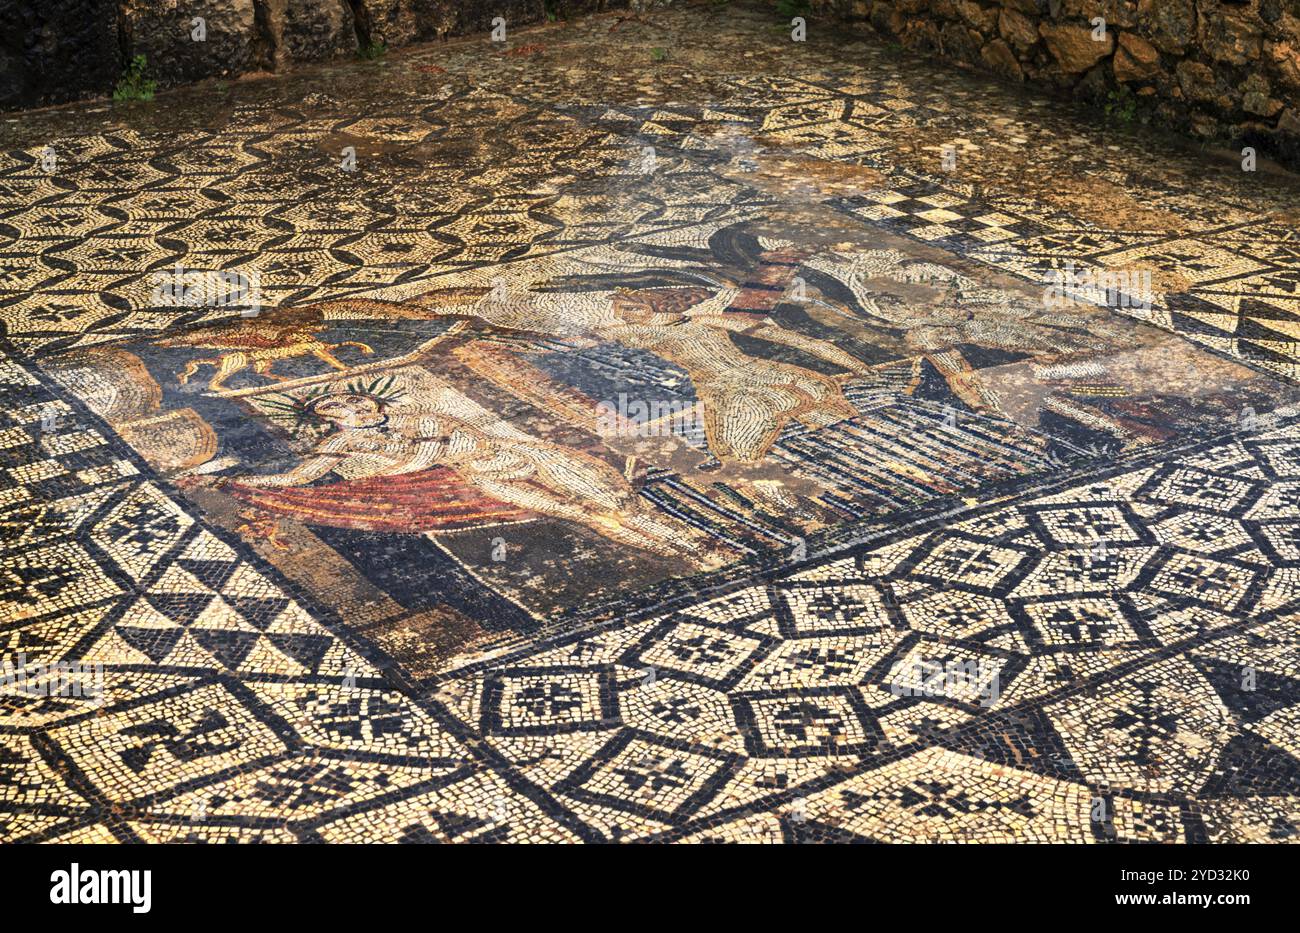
x,y
618,447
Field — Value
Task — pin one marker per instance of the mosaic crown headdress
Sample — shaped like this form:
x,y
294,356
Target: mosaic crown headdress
x,y
300,410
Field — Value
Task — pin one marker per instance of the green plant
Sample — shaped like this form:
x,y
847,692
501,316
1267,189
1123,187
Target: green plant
x,y
791,8
372,51
659,53
133,85
1121,105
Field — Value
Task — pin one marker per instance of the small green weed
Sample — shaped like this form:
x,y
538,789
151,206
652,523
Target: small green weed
x,y
134,85
372,51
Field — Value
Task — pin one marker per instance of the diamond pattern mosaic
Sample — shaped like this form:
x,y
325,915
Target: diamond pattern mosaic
x,y
600,444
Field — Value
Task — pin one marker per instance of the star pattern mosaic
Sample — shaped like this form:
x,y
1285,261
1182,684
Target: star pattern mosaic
x,y
1002,635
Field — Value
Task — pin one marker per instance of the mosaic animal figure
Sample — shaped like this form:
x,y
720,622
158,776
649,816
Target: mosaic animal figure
x,y
257,345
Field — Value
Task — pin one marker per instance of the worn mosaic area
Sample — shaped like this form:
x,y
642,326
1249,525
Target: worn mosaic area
x,y
619,460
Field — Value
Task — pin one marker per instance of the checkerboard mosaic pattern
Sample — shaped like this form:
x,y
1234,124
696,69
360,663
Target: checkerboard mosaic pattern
x,y
927,212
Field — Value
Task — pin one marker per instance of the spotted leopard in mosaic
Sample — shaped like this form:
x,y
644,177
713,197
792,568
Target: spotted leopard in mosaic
x,y
644,429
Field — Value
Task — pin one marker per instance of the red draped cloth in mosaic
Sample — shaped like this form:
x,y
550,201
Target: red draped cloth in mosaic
x,y
428,500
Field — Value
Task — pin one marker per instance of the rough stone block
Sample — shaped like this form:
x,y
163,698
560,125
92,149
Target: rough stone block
x,y
1018,29
1231,37
168,38
999,57
1074,48
1136,59
311,30
1169,24
57,50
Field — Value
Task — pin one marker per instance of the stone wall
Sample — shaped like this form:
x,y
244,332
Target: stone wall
x,y
54,51
1227,70
68,45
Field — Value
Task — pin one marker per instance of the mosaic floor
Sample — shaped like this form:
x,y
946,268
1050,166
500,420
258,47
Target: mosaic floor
x,y
651,429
